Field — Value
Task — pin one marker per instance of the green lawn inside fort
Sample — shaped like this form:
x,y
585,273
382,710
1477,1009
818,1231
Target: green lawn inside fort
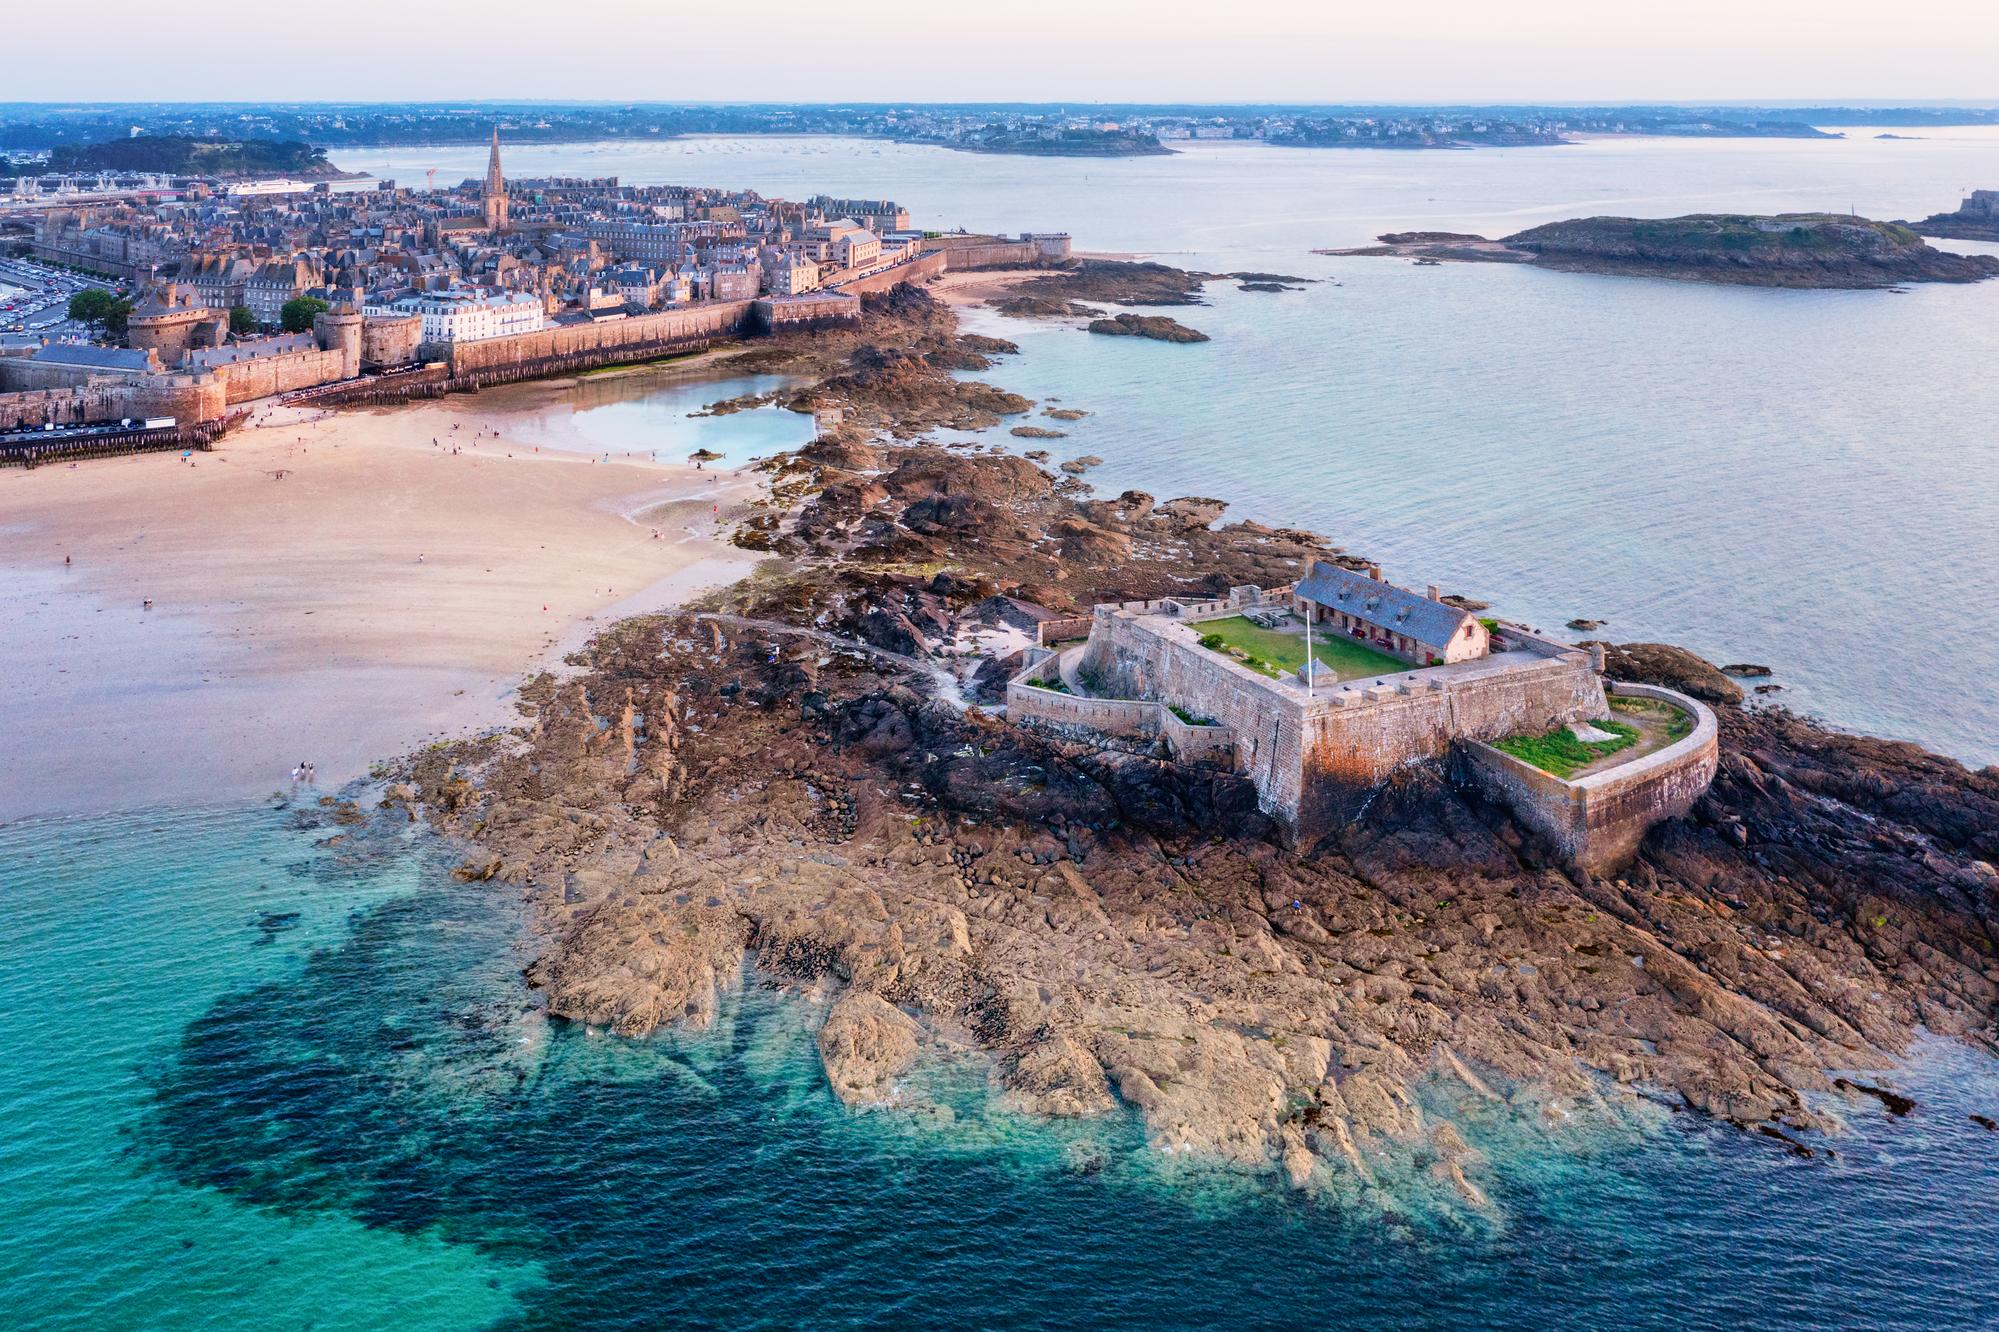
x,y
1280,652
1642,726
1560,753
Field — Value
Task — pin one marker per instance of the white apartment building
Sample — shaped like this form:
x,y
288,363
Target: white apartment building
x,y
467,316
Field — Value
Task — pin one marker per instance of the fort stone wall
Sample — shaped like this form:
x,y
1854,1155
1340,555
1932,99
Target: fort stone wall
x,y
1128,657
1314,758
1597,822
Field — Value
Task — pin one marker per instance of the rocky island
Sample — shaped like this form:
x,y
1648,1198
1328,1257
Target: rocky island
x,y
1976,219
1159,328
805,771
1785,250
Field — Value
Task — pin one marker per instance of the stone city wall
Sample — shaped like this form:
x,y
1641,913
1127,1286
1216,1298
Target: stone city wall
x,y
916,270
585,345
64,406
1598,821
817,310
973,252
286,372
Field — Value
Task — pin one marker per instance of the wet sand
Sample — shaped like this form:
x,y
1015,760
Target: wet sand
x,y
336,590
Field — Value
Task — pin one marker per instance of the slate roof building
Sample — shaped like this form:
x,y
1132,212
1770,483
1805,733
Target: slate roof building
x,y
1417,628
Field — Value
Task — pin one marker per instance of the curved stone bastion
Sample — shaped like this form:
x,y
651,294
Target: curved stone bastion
x,y
1598,820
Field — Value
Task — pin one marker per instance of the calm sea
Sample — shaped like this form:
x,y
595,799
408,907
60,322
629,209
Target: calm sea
x,y
1806,480
254,1080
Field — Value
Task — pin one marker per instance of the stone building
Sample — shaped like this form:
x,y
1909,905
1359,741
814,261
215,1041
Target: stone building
x,y
1420,630
171,322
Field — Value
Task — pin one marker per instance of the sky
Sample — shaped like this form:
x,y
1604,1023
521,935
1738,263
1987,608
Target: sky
x,y
1006,50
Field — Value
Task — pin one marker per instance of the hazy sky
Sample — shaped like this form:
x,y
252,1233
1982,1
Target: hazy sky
x,y
1004,50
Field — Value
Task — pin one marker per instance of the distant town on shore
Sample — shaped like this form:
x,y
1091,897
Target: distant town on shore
x,y
31,131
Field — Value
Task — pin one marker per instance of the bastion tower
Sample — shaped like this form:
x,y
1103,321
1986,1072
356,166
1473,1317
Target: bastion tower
x,y
338,328
494,195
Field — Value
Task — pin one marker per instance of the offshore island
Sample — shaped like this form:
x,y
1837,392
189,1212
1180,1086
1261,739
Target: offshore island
x,y
1212,819
1785,250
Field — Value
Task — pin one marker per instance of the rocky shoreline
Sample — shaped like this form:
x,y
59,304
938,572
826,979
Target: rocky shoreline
x,y
1810,250
798,770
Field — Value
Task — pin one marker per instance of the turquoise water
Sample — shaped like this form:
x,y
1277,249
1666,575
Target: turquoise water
x,y
1808,480
256,1081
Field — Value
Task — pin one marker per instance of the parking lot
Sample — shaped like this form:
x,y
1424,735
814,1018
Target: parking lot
x,y
34,299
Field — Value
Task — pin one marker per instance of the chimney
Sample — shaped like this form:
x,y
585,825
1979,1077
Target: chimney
x,y
1374,572
1433,594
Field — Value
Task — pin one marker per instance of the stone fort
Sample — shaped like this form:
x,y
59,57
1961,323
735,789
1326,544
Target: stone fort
x,y
1315,748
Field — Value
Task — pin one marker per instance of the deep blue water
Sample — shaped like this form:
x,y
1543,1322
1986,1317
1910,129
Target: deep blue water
x,y
251,1081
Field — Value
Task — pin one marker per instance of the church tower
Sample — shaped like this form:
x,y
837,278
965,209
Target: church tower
x,y
494,195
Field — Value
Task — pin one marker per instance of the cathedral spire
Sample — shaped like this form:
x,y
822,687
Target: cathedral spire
x,y
494,195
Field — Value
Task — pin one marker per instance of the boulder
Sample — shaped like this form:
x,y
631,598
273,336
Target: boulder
x,y
866,1044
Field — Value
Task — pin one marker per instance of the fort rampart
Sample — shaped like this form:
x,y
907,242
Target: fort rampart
x,y
1315,755
1597,821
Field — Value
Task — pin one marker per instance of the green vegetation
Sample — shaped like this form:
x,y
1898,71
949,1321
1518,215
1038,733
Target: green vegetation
x,y
295,316
1054,685
1189,717
242,321
1674,721
1278,652
175,154
1560,754
100,309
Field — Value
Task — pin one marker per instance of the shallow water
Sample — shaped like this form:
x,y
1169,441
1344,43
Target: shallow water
x,y
652,413
226,1115
1808,480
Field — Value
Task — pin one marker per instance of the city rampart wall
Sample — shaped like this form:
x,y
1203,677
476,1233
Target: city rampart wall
x,y
286,372
388,341
601,342
974,252
64,406
915,270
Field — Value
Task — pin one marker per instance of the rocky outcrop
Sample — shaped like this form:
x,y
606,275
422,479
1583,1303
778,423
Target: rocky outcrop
x,y
1156,327
865,1045
1673,667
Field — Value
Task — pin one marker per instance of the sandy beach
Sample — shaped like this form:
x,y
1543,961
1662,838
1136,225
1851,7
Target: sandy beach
x,y
332,588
